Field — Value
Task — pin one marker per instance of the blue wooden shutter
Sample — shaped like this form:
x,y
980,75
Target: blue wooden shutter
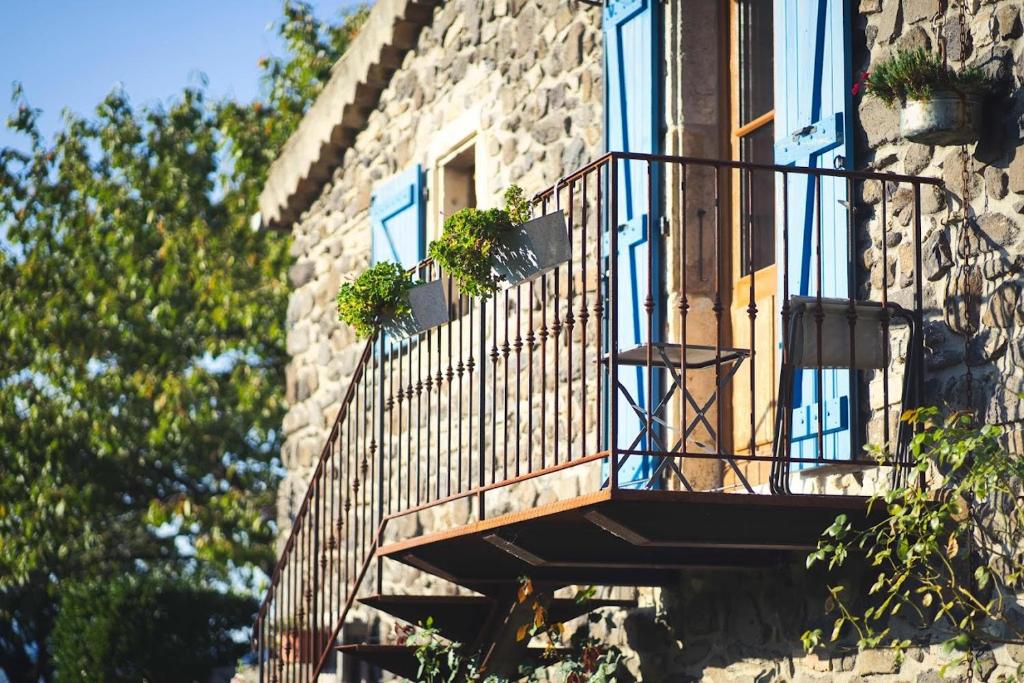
x,y
632,113
397,219
812,118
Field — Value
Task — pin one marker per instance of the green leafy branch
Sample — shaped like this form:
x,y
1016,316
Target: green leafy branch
x,y
950,555
471,239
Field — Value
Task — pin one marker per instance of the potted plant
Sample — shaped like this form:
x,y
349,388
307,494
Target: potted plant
x,y
480,247
295,641
386,296
296,645
939,105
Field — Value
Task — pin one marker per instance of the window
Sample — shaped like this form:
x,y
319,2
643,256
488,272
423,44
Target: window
x,y
456,185
458,180
754,131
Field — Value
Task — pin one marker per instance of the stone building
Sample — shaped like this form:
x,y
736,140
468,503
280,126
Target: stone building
x,y
644,371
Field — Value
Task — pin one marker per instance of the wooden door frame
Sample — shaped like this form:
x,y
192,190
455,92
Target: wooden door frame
x,y
759,283
733,134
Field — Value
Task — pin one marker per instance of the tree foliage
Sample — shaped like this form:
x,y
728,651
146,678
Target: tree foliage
x,y
136,628
948,556
141,383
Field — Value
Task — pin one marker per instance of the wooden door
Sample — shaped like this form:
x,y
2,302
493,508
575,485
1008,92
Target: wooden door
x,y
752,267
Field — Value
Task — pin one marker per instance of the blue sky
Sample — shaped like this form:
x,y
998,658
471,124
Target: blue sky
x,y
70,53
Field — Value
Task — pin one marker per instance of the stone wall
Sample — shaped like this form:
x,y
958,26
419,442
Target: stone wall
x,y
523,78
994,356
742,626
746,626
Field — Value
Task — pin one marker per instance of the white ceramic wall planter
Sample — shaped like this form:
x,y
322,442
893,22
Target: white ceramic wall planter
x,y
947,118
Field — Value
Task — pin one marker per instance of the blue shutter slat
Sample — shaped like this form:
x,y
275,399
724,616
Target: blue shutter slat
x,y
631,125
812,47
397,219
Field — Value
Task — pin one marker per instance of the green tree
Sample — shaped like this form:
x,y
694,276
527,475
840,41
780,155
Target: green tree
x,y
142,374
136,628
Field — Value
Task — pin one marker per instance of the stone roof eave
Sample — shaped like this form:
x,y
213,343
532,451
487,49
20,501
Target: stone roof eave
x,y
316,147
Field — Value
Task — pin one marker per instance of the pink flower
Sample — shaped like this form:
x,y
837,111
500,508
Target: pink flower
x,y
862,82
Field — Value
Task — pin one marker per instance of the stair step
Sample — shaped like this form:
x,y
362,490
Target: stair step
x,y
460,617
397,659
564,609
401,659
456,617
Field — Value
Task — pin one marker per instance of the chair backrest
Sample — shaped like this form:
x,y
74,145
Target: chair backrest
x,y
870,342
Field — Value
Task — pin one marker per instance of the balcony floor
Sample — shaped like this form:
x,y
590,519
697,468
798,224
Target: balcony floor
x,y
631,538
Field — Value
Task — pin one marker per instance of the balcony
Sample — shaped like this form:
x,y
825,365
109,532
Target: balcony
x,y
637,412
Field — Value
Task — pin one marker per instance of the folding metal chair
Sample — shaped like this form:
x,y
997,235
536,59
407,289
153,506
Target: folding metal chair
x,y
831,333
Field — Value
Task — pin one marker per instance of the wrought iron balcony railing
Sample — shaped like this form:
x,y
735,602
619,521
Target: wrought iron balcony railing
x,y
768,326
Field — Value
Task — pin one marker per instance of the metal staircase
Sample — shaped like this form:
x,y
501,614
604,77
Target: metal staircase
x,y
491,447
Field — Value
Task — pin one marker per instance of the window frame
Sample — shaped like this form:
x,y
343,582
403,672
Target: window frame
x,y
738,132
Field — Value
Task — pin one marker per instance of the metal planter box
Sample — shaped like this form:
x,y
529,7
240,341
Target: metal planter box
x,y
948,118
429,304
533,248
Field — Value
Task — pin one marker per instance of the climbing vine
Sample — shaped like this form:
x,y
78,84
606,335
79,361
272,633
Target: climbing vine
x,y
948,555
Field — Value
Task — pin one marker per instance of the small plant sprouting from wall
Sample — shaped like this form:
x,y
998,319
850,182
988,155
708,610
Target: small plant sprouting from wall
x,y
948,556
580,660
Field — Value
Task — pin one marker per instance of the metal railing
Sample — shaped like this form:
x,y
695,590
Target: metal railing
x,y
647,366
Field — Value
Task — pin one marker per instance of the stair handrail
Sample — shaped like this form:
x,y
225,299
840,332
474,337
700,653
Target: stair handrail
x,y
303,508
370,555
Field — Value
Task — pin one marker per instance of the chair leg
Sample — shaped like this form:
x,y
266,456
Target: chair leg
x,y
910,400
784,409
779,479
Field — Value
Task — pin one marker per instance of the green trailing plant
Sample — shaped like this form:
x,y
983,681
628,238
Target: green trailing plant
x,y
917,75
380,292
471,240
947,556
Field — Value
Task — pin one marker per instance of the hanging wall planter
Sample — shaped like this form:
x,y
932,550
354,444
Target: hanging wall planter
x,y
946,118
428,307
480,248
533,248
385,296
938,104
